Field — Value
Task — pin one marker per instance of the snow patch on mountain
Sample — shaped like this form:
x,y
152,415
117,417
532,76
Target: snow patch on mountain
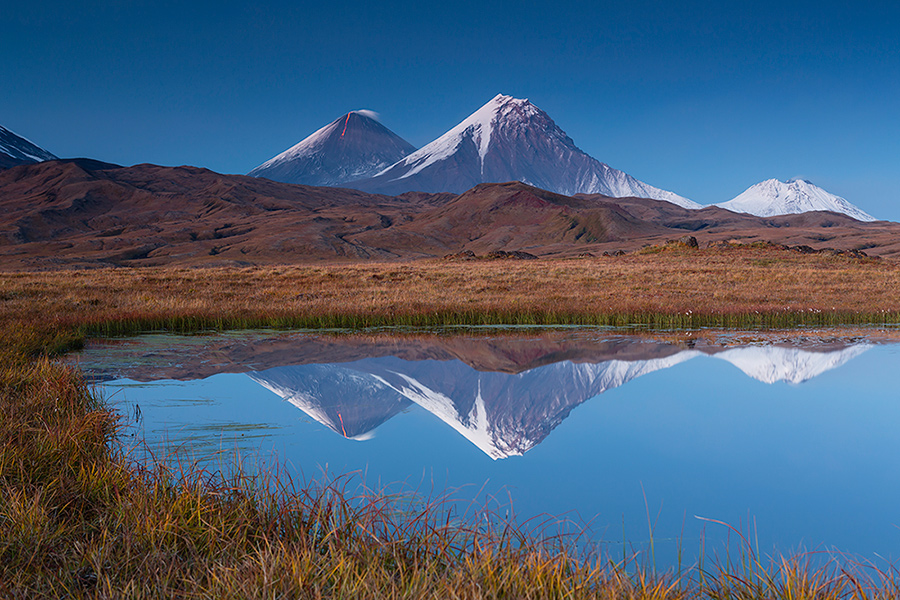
x,y
773,197
306,146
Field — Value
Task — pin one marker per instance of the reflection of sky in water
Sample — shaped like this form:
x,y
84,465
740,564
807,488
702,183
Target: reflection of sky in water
x,y
813,463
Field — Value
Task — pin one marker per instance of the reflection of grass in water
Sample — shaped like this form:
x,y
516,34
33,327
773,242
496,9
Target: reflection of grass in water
x,y
134,385
195,401
212,435
231,427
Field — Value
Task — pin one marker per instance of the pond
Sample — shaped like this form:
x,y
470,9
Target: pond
x,y
790,437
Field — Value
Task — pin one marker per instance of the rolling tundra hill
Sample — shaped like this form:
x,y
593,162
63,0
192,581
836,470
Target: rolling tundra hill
x,y
87,213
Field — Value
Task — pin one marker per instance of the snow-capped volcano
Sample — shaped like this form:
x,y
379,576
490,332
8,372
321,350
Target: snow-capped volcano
x,y
510,139
773,197
16,150
354,146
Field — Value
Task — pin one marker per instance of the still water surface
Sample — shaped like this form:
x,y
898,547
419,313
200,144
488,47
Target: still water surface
x,y
791,437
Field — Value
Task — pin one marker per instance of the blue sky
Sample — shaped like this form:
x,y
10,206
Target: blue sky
x,y
701,98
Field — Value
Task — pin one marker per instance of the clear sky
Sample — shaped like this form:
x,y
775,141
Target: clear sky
x,y
701,98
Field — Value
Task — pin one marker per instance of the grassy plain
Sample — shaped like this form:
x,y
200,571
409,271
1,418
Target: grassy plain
x,y
79,519
746,287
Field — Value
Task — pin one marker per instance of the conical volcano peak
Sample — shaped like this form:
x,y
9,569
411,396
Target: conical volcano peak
x,y
354,146
369,114
499,113
504,105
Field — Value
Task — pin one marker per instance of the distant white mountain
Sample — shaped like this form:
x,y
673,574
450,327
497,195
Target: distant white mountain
x,y
510,139
773,197
353,146
16,150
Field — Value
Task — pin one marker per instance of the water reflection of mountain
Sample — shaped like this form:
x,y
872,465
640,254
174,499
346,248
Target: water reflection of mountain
x,y
347,401
771,364
503,414
504,394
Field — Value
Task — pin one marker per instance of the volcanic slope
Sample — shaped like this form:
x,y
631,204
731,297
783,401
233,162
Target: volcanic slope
x,y
351,147
510,139
16,150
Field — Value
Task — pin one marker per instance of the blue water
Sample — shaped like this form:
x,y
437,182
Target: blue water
x,y
809,465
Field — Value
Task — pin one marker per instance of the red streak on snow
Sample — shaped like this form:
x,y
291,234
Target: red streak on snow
x,y
345,131
339,414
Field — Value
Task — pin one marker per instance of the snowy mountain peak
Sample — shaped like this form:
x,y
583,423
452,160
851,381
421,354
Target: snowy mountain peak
x,y
354,146
773,197
499,113
509,139
16,150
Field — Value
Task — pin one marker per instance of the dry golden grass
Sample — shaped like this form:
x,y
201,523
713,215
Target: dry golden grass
x,y
698,287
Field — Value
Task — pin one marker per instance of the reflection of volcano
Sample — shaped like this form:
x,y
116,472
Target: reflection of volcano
x,y
346,401
503,414
795,365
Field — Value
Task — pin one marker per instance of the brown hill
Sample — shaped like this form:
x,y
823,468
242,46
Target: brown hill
x,y
817,229
516,216
84,213
87,213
